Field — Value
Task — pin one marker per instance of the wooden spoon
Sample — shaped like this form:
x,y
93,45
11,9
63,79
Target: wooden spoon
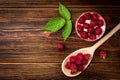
x,y
89,50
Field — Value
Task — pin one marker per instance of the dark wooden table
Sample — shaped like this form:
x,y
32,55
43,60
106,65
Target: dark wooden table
x,y
28,53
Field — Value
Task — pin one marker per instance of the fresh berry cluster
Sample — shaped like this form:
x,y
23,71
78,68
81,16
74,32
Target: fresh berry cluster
x,y
77,63
90,26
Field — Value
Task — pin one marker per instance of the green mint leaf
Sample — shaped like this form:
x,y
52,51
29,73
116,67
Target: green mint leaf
x,y
55,24
64,12
66,31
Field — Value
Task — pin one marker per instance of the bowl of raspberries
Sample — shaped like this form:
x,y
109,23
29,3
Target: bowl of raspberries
x,y
90,26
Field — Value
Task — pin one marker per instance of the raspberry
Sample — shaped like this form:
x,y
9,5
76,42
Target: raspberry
x,y
98,31
79,56
92,23
87,56
80,68
85,62
72,59
103,54
92,36
78,61
81,20
107,18
95,16
90,30
84,35
100,23
60,47
79,28
85,25
73,71
87,16
67,65
73,67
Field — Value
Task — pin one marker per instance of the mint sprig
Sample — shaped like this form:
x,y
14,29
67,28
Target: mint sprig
x,y
58,23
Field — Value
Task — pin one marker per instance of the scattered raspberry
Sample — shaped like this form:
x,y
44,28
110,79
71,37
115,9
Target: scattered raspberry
x,y
81,20
87,16
98,31
78,61
79,56
90,30
87,56
95,16
60,47
103,54
92,36
92,23
85,25
100,23
80,68
84,35
72,59
107,18
68,65
80,28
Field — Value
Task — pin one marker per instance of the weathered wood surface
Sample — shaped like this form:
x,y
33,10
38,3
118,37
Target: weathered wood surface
x,y
28,53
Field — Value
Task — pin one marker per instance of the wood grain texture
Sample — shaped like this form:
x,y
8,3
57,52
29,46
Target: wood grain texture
x,y
29,53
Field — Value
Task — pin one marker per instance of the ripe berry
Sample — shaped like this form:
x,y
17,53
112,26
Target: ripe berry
x,y
84,35
72,59
87,16
107,18
85,62
95,16
67,65
78,61
87,56
100,23
73,67
79,56
80,68
103,54
90,30
79,28
92,23
98,31
60,47
92,36
81,20
85,25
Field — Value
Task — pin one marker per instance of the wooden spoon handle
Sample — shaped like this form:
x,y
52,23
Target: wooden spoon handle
x,y
95,46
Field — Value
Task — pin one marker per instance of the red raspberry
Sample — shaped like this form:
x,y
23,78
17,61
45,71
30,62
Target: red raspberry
x,y
60,47
73,66
85,25
87,16
73,71
92,36
107,18
103,54
90,30
100,23
81,68
85,62
87,56
79,56
67,65
98,31
78,61
81,20
84,35
92,23
72,59
95,16
79,28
